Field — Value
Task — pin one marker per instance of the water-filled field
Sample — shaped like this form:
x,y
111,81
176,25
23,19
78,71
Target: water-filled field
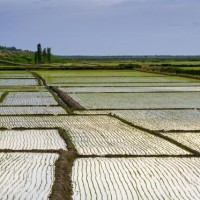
x,y
30,98
99,134
26,175
31,139
156,119
32,110
137,100
136,178
128,89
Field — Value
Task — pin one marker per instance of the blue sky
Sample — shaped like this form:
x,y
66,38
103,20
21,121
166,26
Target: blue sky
x,y
103,27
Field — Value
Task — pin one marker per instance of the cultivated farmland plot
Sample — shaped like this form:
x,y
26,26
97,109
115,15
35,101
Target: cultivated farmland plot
x,y
65,122
15,74
26,175
156,119
31,139
136,178
19,82
119,138
128,89
162,119
96,112
41,110
23,89
187,84
63,80
150,174
137,101
17,77
30,98
98,73
99,135
190,139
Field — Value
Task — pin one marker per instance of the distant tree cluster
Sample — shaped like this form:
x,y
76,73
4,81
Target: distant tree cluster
x,y
42,56
9,48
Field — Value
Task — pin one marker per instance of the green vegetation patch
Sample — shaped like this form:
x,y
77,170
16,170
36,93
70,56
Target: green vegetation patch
x,y
64,80
129,84
98,73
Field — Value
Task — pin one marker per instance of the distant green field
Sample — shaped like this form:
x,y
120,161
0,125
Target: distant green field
x,y
161,84
108,76
96,73
190,68
106,63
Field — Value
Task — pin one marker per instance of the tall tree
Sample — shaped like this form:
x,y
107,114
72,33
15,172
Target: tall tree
x,y
49,55
39,53
44,55
36,58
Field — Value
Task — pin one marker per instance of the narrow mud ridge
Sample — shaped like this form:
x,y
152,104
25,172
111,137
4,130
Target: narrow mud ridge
x,y
42,81
106,109
60,102
178,131
71,103
28,151
62,187
140,156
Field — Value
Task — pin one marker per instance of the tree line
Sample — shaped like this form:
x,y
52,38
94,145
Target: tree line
x,y
9,48
42,56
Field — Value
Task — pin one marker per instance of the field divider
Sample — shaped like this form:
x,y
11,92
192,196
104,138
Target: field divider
x,y
152,92
138,156
60,101
62,188
66,137
113,86
41,80
30,151
178,131
71,103
39,77
108,76
42,128
157,134
28,105
44,83
99,114
113,109
60,83
35,115
24,78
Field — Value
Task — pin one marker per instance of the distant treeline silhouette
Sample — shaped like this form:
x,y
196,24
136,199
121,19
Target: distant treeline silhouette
x,y
9,48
